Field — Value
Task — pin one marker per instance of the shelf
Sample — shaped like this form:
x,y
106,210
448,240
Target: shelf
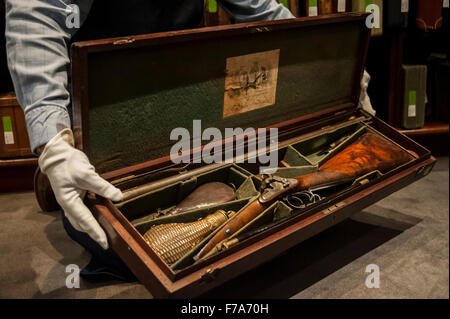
x,y
17,174
430,128
8,99
16,162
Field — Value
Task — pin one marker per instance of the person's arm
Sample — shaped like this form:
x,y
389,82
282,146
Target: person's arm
x,y
37,39
38,60
255,10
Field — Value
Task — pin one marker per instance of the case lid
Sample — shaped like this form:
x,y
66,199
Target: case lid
x,y
130,93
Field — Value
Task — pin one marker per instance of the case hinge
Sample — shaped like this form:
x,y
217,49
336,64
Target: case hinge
x,y
333,208
425,170
123,41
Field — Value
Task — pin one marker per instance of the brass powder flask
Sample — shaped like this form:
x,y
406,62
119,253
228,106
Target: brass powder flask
x,y
172,241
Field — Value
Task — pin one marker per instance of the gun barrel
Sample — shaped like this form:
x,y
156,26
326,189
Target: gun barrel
x,y
142,189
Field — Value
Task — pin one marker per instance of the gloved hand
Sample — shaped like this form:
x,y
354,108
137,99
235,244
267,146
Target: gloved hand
x,y
71,175
364,99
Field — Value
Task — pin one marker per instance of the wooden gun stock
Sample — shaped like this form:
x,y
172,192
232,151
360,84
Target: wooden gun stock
x,y
367,154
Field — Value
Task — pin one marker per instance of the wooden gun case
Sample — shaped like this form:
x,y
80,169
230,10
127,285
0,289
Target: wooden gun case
x,y
130,93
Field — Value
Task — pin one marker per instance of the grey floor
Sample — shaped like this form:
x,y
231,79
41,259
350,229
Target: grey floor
x,y
406,235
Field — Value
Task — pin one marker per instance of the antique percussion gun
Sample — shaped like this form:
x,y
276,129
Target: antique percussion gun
x,y
368,153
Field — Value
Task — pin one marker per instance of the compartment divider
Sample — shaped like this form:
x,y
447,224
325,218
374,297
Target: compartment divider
x,y
266,217
190,216
187,260
162,199
247,189
310,148
343,144
294,157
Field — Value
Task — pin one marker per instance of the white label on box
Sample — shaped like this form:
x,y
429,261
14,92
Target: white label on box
x,y
313,11
341,6
405,5
9,138
445,4
411,110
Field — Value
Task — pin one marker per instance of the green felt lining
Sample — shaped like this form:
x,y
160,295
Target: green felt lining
x,y
299,164
295,158
140,208
138,95
311,147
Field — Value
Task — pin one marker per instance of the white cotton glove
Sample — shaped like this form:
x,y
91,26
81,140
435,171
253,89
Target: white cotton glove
x,y
364,99
71,175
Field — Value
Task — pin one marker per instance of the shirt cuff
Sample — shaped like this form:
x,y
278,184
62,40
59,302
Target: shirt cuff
x,y
44,123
